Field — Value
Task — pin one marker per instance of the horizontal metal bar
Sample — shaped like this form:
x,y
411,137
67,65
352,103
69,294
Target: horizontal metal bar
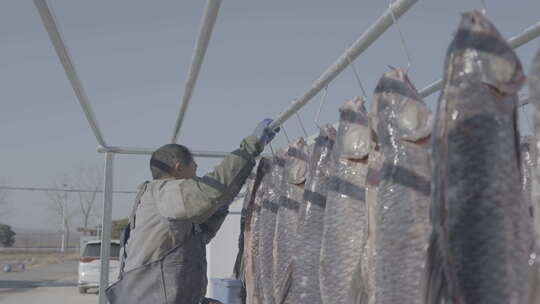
x,y
149,151
397,9
44,189
69,68
208,21
518,40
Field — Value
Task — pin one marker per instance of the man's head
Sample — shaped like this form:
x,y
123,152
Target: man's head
x,y
174,161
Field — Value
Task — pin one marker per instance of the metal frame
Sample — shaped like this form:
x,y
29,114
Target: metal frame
x,y
149,151
378,28
389,16
208,21
71,73
106,225
49,22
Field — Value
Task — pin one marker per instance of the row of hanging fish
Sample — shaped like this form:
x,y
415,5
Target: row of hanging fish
x,y
400,205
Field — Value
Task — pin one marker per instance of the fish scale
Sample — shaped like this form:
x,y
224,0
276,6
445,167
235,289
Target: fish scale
x,y
252,273
480,248
534,92
305,286
345,213
287,220
401,217
375,162
269,208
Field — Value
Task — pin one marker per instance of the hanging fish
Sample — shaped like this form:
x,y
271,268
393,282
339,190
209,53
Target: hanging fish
x,y
252,271
270,206
401,215
239,268
345,212
482,235
287,219
534,92
305,283
373,178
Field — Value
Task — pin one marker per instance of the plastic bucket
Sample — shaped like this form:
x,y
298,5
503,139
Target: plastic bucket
x,y
227,291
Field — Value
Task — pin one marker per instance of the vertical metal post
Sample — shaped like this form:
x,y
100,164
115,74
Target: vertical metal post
x,y
106,228
210,288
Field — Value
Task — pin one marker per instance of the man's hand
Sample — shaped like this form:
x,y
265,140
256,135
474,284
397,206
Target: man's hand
x,y
263,133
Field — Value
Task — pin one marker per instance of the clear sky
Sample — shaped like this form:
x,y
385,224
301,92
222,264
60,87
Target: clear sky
x,y
133,57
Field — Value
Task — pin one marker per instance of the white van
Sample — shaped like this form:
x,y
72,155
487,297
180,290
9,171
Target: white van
x,y
90,263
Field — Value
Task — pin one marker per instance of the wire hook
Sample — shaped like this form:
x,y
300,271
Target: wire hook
x,y
323,99
285,133
301,124
357,76
402,38
271,149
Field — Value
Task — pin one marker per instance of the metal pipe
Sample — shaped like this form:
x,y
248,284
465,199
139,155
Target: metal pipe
x,y
149,151
518,40
107,227
208,21
59,190
69,68
398,8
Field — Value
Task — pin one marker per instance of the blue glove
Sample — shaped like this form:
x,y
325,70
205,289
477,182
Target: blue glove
x,y
263,133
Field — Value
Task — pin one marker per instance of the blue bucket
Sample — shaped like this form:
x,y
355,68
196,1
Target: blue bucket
x,y
227,291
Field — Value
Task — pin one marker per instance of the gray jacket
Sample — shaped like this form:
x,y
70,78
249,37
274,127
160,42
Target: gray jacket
x,y
175,219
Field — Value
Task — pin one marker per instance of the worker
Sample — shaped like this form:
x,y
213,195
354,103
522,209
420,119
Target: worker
x,y
163,256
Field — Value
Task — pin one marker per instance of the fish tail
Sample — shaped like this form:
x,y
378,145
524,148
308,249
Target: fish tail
x,y
284,288
358,287
434,283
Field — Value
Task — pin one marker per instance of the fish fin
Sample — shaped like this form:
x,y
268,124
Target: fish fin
x,y
434,283
283,292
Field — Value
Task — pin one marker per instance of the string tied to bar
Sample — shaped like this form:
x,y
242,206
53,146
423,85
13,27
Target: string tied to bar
x,y
401,37
271,149
323,100
357,76
301,124
285,133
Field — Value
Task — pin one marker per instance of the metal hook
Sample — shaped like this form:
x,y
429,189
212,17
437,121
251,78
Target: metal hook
x,y
301,124
323,99
353,67
402,38
285,133
271,149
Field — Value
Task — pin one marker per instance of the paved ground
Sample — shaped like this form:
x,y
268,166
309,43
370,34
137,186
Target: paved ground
x,y
49,284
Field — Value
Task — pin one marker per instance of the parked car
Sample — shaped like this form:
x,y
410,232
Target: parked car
x,y
90,263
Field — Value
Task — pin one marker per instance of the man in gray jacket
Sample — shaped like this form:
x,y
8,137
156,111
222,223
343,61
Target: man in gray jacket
x,y
175,215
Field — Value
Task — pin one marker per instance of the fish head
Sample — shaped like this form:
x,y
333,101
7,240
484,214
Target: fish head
x,y
354,135
296,162
322,150
484,55
401,113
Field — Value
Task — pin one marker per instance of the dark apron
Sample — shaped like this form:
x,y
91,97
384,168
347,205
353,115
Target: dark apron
x,y
179,277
